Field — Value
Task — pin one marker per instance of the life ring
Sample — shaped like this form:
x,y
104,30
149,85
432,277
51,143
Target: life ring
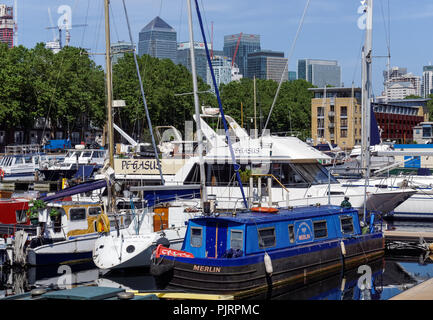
x,y
102,223
264,209
2,173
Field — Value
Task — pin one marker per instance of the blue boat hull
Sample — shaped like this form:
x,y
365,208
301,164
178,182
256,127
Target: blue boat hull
x,y
247,275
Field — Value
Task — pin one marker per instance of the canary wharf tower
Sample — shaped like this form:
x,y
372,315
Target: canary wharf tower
x,y
158,39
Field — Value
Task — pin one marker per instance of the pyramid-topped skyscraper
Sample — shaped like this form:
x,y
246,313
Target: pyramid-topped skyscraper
x,y
158,39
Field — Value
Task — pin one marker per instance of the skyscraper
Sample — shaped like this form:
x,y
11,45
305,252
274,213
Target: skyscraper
x,y
242,44
268,65
320,72
119,49
222,70
427,81
158,39
399,83
184,58
6,25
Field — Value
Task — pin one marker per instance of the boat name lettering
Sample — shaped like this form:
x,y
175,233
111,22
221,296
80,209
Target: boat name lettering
x,y
136,165
206,268
247,150
174,253
303,231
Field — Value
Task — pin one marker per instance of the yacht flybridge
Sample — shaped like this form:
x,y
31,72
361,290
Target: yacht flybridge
x,y
275,171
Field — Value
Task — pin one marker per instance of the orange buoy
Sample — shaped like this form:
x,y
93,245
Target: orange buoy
x,y
264,209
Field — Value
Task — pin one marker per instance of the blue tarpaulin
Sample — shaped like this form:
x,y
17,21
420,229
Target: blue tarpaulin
x,y
157,194
79,188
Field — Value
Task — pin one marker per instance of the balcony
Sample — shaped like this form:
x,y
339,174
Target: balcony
x,y
331,114
331,125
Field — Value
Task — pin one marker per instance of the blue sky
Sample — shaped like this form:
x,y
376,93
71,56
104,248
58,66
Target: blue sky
x,y
329,31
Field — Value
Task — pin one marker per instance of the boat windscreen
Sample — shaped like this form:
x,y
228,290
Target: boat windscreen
x,y
313,173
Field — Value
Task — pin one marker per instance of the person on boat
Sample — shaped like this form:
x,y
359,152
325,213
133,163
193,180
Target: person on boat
x,y
345,204
364,227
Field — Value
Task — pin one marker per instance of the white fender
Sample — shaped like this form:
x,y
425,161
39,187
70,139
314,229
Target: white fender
x,y
268,263
343,248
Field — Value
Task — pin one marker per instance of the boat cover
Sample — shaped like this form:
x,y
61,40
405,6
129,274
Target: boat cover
x,y
79,188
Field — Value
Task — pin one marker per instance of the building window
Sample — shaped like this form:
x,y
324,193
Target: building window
x,y
266,237
343,112
346,223
343,133
320,111
236,239
196,237
320,229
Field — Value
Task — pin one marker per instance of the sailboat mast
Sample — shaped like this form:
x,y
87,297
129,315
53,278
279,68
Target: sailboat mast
x,y
366,85
197,107
366,96
108,84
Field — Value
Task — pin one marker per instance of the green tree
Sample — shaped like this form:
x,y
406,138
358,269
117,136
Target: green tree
x,y
164,84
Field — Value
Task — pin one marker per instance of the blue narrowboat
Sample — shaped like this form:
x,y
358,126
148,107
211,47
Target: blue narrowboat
x,y
255,250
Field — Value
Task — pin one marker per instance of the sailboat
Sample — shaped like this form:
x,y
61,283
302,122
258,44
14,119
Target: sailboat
x,y
155,225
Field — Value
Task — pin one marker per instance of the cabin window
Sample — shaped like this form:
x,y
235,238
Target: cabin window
x,y
236,239
21,216
28,159
94,211
266,237
196,237
291,233
320,229
19,161
346,224
76,214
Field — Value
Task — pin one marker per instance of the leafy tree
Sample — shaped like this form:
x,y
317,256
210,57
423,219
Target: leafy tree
x,y
166,87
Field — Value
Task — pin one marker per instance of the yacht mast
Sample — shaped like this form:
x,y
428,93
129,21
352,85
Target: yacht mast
x,y
108,84
366,93
197,107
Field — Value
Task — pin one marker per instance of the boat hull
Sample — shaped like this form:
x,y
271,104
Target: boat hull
x,y
247,275
73,250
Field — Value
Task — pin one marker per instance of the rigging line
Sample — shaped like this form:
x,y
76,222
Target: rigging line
x,y
160,9
287,63
236,166
143,96
85,24
180,21
55,89
98,28
205,19
114,22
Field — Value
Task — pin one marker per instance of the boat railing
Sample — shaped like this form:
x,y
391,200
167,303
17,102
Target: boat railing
x,y
23,149
270,177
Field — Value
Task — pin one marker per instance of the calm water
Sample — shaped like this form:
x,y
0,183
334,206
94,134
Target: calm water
x,y
390,276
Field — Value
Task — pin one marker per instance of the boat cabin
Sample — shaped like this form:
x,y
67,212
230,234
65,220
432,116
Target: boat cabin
x,y
251,233
19,166
13,216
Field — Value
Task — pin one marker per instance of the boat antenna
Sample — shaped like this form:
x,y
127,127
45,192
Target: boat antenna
x,y
143,96
235,165
197,107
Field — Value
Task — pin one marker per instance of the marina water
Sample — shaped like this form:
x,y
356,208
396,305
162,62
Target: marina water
x,y
381,279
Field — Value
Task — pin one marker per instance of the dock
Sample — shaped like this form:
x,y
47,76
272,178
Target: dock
x,y
408,236
422,291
